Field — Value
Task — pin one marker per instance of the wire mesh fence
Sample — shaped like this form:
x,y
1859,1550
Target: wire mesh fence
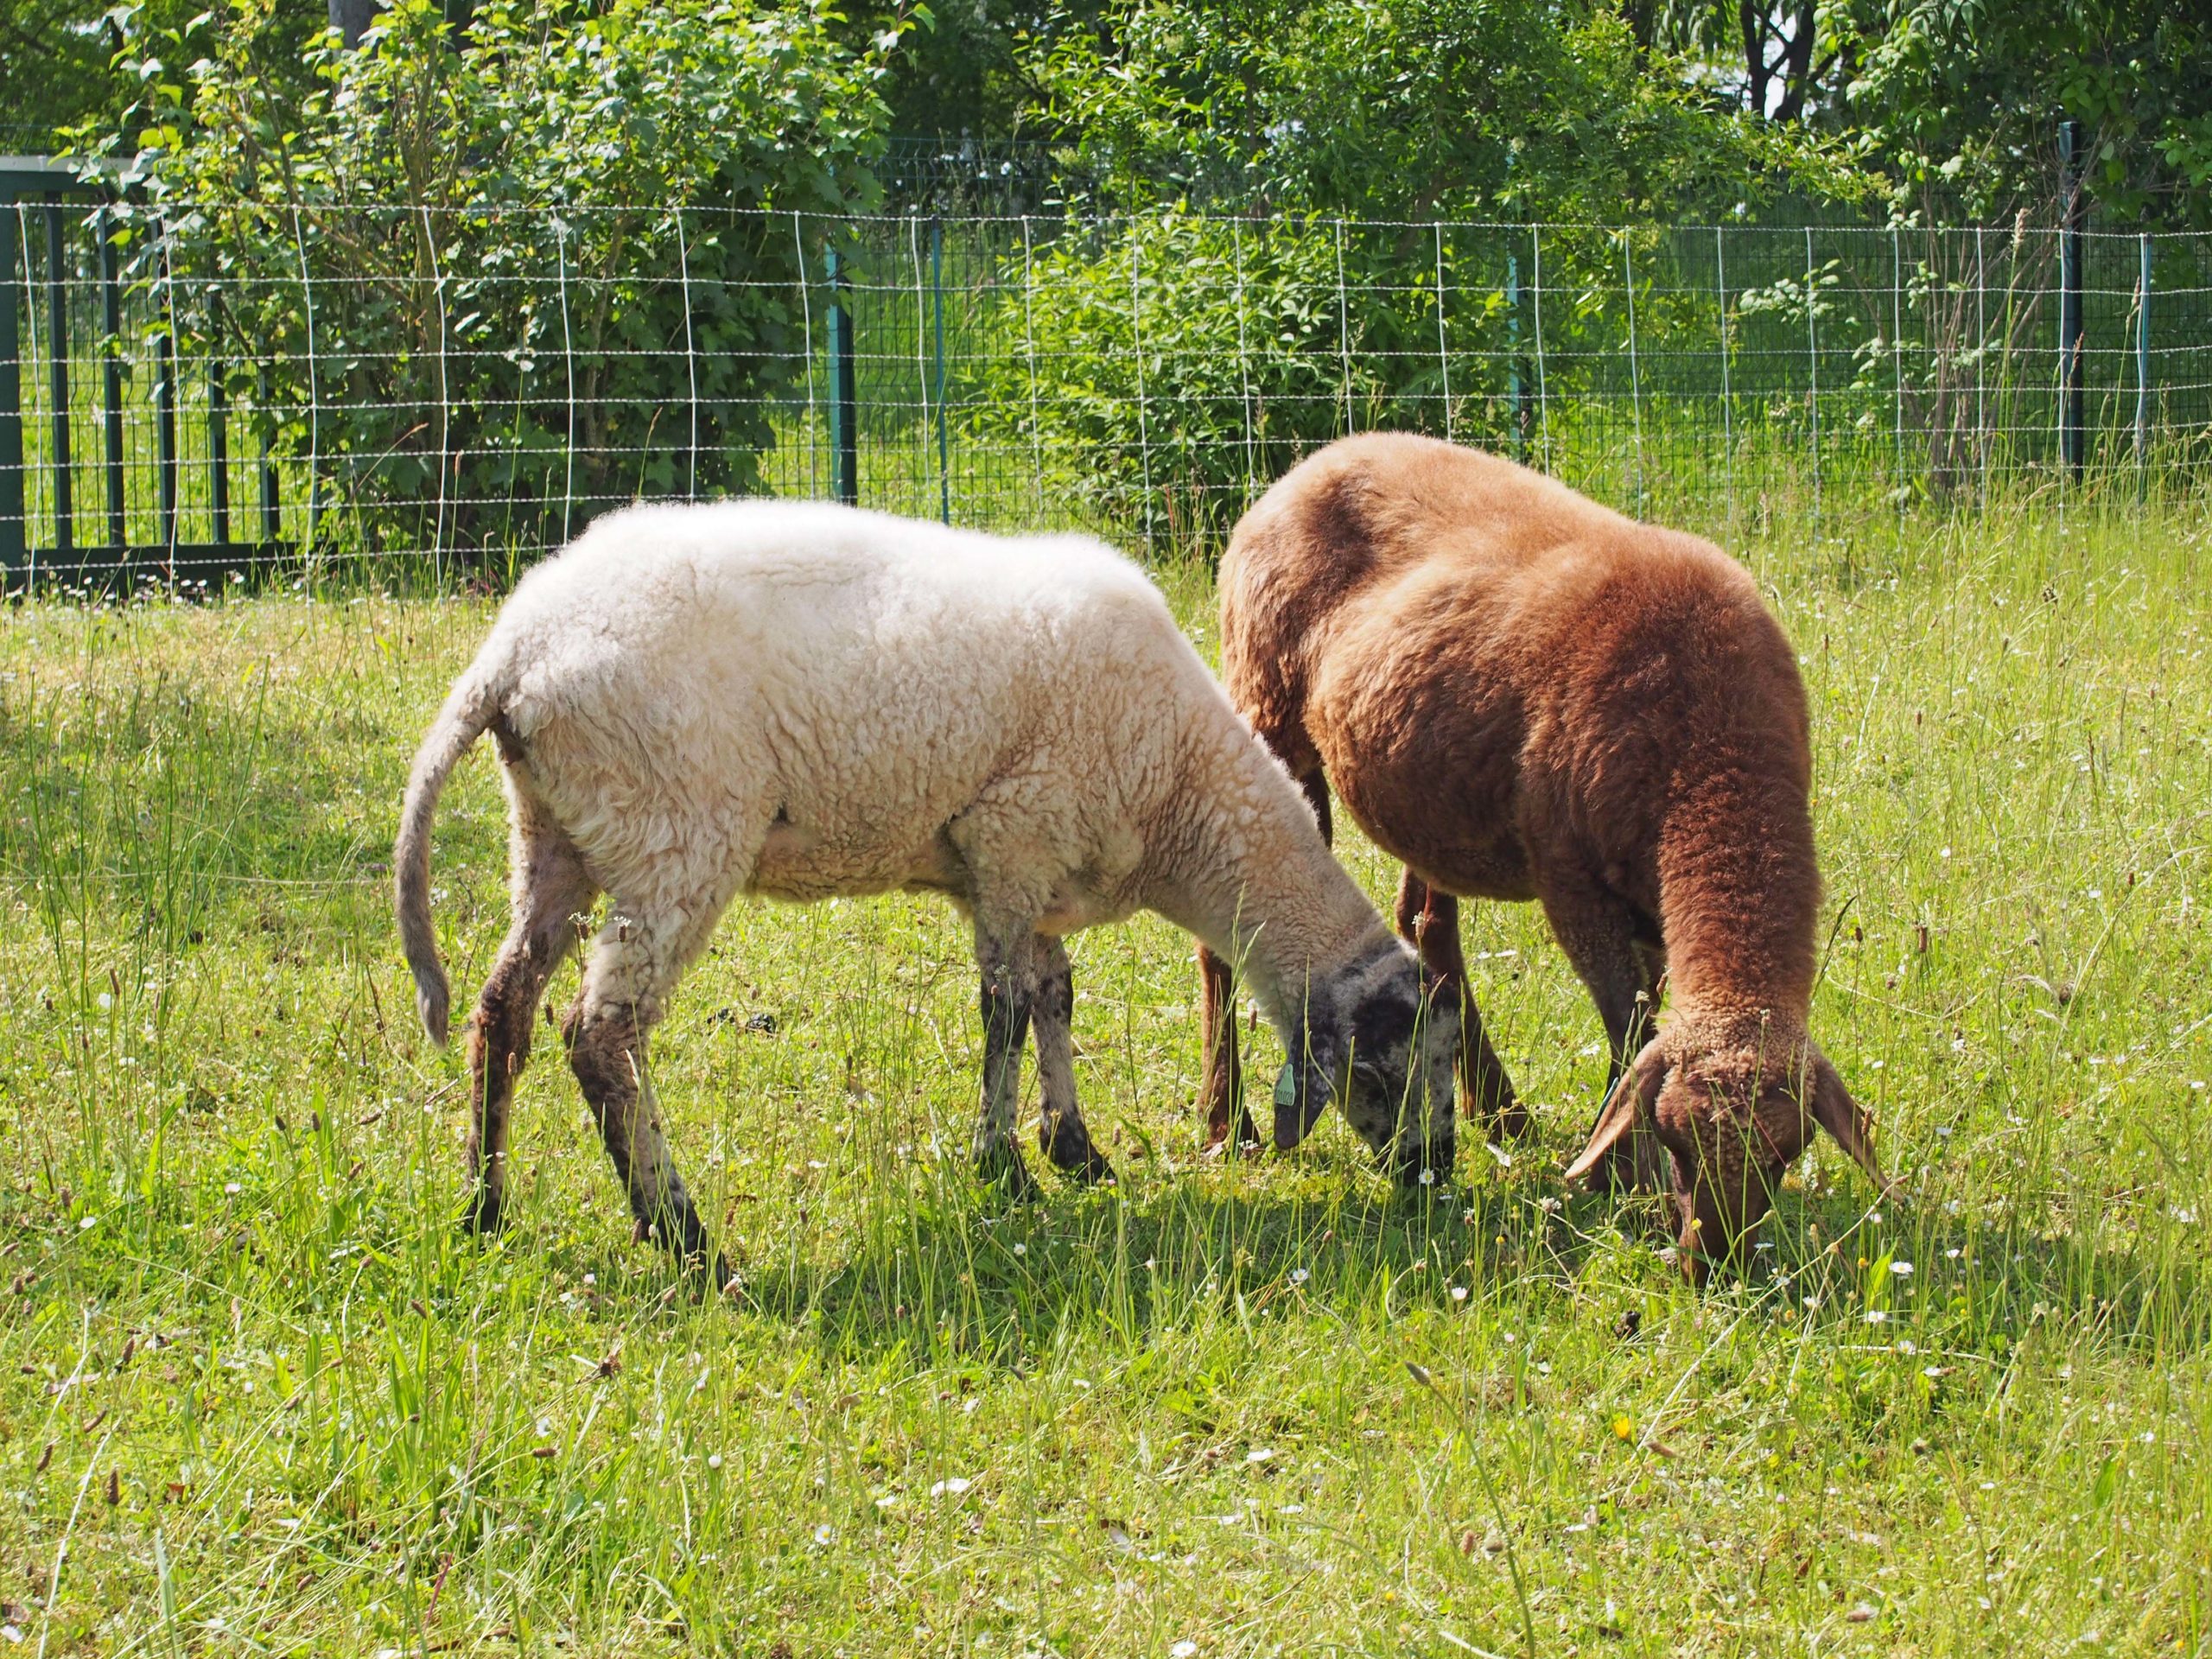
x,y
195,394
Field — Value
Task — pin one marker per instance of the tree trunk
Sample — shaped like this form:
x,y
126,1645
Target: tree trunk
x,y
352,18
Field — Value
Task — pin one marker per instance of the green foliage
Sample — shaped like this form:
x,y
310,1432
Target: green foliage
x,y
1466,108
502,243
59,67
1960,104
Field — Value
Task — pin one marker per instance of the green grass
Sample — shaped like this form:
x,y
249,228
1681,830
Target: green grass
x,y
272,1401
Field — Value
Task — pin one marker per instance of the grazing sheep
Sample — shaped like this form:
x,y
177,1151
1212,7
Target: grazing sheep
x,y
803,701
1524,695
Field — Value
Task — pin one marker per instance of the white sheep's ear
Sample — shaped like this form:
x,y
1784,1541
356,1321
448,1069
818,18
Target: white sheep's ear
x,y
1628,1104
1834,1111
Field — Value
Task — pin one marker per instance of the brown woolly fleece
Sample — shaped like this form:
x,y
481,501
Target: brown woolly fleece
x,y
1522,695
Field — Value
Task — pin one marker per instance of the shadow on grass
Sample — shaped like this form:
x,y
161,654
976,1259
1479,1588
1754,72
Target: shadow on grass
x,y
947,1275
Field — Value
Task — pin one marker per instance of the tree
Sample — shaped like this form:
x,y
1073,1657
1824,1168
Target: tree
x,y
1412,108
460,276
1956,103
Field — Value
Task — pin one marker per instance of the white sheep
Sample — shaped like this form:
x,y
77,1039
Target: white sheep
x,y
801,701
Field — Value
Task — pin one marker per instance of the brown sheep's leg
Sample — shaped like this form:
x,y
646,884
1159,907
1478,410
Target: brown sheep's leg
x,y
634,965
1430,919
550,889
1597,931
1316,785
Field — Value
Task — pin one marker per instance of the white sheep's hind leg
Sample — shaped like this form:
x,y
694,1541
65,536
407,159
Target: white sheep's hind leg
x,y
1061,1132
550,889
1011,964
635,962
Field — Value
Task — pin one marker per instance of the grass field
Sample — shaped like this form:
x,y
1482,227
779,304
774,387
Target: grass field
x,y
257,1394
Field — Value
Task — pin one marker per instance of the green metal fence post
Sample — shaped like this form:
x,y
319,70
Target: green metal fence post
x,y
936,301
119,534
2143,366
165,419
844,402
1516,379
272,506
13,538
57,345
2071,435
218,452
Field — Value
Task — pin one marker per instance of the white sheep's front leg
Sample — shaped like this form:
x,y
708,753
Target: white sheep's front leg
x,y
1011,968
1061,1132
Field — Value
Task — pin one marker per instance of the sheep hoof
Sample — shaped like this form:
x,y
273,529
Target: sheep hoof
x,y
1073,1154
1090,1170
1002,1168
1506,1120
1227,1137
483,1217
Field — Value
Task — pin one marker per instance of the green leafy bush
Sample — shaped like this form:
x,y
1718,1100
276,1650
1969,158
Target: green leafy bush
x,y
454,274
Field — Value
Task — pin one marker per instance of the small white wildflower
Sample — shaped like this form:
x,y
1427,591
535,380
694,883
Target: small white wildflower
x,y
590,1279
1459,1292
952,1486
1299,1275
1931,1372
232,1188
713,1460
1876,1316
1021,1249
1260,1454
1182,1650
1902,1269
824,1532
1428,1178
86,1224
106,1000
1907,1349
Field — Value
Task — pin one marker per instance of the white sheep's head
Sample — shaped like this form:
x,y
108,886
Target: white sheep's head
x,y
1731,1104
1382,1040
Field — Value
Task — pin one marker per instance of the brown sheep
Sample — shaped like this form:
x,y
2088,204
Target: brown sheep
x,y
1522,695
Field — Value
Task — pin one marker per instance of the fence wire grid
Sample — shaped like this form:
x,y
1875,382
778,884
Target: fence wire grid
x,y
192,395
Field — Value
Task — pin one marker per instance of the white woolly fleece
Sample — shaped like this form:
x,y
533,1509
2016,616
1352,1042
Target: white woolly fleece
x,y
800,700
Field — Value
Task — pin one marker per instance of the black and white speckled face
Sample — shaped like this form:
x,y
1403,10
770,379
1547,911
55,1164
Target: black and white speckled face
x,y
1384,1045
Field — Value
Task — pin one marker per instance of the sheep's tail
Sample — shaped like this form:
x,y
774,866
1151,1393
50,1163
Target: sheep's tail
x,y
473,706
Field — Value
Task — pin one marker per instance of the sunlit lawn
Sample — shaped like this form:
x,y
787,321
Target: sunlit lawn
x,y
259,1394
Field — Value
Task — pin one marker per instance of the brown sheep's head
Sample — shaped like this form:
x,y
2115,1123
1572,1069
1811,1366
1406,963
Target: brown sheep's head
x,y
1732,1104
1380,1041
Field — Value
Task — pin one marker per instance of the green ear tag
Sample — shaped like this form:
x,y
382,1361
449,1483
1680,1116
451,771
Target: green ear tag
x,y
1287,1087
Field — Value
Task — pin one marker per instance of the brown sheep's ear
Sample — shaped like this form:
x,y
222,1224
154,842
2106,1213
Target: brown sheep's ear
x,y
1628,1104
1834,1111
